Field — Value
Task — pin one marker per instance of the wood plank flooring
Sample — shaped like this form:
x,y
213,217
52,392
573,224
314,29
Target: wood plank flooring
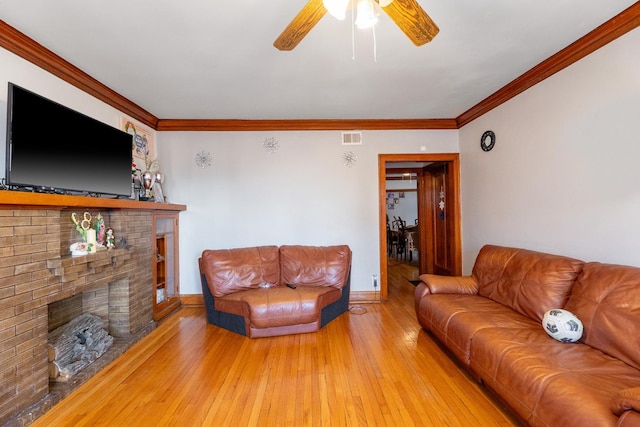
x,y
373,369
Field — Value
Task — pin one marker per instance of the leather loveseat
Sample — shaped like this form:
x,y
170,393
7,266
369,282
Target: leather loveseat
x,y
269,290
491,323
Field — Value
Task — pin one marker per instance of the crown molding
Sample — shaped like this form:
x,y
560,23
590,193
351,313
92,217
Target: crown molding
x,y
32,51
289,125
25,47
619,25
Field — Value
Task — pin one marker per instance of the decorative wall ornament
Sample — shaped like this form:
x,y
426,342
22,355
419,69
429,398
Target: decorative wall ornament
x,y
491,137
441,204
203,159
143,139
349,158
271,145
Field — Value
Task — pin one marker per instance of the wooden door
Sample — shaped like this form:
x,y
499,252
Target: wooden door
x,y
440,219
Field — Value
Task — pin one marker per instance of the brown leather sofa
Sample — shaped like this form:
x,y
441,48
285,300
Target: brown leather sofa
x,y
491,322
269,290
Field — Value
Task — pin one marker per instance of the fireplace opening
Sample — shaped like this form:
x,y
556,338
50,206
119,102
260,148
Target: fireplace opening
x,y
80,329
110,302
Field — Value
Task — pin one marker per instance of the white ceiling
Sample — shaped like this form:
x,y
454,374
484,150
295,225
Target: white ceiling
x,y
197,59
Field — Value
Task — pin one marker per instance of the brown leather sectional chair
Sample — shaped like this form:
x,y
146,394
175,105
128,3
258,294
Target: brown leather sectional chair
x,y
269,290
491,322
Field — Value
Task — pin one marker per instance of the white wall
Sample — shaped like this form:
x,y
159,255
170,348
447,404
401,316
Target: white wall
x,y
302,194
564,175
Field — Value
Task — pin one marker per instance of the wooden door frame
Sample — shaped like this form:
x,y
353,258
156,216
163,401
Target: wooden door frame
x,y
453,159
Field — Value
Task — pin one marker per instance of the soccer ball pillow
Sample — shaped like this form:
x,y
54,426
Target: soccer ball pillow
x,y
562,325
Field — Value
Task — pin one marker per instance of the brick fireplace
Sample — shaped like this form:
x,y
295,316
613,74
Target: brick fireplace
x,y
37,272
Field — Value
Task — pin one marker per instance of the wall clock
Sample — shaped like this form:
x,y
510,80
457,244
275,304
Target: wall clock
x,y
488,140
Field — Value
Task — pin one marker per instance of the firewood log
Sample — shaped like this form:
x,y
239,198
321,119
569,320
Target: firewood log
x,y
77,344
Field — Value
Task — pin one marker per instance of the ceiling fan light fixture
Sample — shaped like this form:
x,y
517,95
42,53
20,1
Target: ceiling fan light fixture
x,y
366,14
336,8
406,14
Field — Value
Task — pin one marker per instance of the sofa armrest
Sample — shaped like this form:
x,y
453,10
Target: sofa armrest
x,y
626,400
450,284
435,284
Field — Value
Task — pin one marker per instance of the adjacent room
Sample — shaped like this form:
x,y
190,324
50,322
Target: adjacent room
x,y
320,212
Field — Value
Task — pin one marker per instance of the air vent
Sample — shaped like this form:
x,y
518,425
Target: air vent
x,y
351,138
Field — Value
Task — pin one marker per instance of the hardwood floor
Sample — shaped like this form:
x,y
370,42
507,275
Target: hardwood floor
x,y
373,369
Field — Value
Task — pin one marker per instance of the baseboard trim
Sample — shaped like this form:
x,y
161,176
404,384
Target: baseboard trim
x,y
192,300
364,297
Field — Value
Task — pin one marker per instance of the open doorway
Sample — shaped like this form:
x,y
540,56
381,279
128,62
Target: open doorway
x,y
439,247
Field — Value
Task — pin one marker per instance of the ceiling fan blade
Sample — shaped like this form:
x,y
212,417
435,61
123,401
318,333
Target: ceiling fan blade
x,y
412,20
300,26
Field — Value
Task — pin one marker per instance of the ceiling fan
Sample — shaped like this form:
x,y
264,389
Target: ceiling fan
x,y
407,14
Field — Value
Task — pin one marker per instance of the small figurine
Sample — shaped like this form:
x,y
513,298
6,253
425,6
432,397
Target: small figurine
x,y
100,230
110,239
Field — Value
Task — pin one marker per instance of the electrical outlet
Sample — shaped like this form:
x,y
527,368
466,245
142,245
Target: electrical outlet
x,y
374,281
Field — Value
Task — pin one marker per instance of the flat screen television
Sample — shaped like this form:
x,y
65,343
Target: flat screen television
x,y
53,148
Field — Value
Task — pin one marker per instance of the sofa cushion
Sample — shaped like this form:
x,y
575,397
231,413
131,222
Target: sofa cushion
x,y
455,319
231,270
527,281
546,382
315,265
606,298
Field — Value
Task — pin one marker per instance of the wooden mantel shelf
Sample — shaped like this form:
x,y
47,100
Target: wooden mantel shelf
x,y
9,199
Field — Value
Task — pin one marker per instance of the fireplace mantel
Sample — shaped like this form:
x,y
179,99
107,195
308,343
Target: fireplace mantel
x,y
26,200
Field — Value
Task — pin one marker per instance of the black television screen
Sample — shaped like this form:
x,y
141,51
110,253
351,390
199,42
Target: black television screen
x,y
53,148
